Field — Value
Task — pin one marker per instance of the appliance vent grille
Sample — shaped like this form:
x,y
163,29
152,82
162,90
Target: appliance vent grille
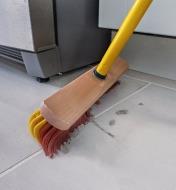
x,y
11,53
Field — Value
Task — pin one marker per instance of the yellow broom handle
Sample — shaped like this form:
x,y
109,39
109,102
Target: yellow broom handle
x,y
121,38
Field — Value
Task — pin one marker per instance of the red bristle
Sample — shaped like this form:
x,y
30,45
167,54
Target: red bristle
x,y
42,139
52,138
56,144
64,136
46,139
51,146
58,140
43,131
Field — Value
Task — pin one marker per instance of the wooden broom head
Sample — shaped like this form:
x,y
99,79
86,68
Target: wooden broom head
x,y
66,106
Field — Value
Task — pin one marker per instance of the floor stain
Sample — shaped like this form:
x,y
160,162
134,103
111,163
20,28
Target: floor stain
x,y
108,133
121,112
112,122
140,104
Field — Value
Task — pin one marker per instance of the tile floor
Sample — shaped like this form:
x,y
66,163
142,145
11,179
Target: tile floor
x,y
129,144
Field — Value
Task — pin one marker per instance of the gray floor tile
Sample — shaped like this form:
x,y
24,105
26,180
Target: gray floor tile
x,y
89,164
126,87
145,160
20,95
131,146
145,125
15,142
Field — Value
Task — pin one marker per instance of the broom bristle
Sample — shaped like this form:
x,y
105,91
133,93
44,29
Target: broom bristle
x,y
51,139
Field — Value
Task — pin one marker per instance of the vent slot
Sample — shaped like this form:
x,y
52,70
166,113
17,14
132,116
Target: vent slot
x,y
11,53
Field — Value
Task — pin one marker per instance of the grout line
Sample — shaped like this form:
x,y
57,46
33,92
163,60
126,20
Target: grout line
x,y
163,86
19,163
102,129
154,83
141,80
123,100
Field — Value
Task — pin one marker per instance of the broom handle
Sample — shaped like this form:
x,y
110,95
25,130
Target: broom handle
x,y
121,38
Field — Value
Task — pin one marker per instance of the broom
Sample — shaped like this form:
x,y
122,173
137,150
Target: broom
x,y
64,111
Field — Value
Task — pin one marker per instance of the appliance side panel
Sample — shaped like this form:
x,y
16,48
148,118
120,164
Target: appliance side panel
x,y
27,24
42,21
81,42
15,27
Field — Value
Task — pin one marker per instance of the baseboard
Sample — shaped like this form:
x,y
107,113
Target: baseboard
x,y
152,54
